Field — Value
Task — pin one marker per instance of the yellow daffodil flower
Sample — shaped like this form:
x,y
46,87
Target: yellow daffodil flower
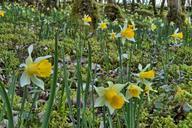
x,y
147,90
133,90
147,74
177,34
40,67
110,96
102,25
2,13
127,32
87,19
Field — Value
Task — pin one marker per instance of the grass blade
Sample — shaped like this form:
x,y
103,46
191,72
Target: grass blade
x,y
53,87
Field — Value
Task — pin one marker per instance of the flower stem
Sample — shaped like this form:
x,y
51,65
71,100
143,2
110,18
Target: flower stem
x,y
53,87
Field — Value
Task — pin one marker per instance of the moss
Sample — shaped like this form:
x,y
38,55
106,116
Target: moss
x,y
179,73
9,60
16,101
19,38
59,120
187,122
6,28
183,55
163,122
144,12
47,46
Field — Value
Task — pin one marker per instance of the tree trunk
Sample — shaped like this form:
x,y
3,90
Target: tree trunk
x,y
162,7
154,6
125,4
183,4
85,7
133,5
138,1
175,12
109,1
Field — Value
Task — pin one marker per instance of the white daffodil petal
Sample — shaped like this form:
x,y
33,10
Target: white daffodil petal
x,y
128,96
119,87
99,102
30,49
118,35
100,90
124,97
110,83
22,65
146,82
176,31
111,109
132,39
42,58
120,27
125,24
29,60
123,41
140,67
146,67
37,82
24,80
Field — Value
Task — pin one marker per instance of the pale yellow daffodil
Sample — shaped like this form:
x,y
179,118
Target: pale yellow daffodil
x,y
102,25
177,34
133,90
87,19
110,96
40,67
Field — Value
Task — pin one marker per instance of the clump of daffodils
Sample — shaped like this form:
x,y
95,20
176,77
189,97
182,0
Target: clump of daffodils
x,y
102,25
110,96
87,19
40,67
144,77
127,33
177,34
